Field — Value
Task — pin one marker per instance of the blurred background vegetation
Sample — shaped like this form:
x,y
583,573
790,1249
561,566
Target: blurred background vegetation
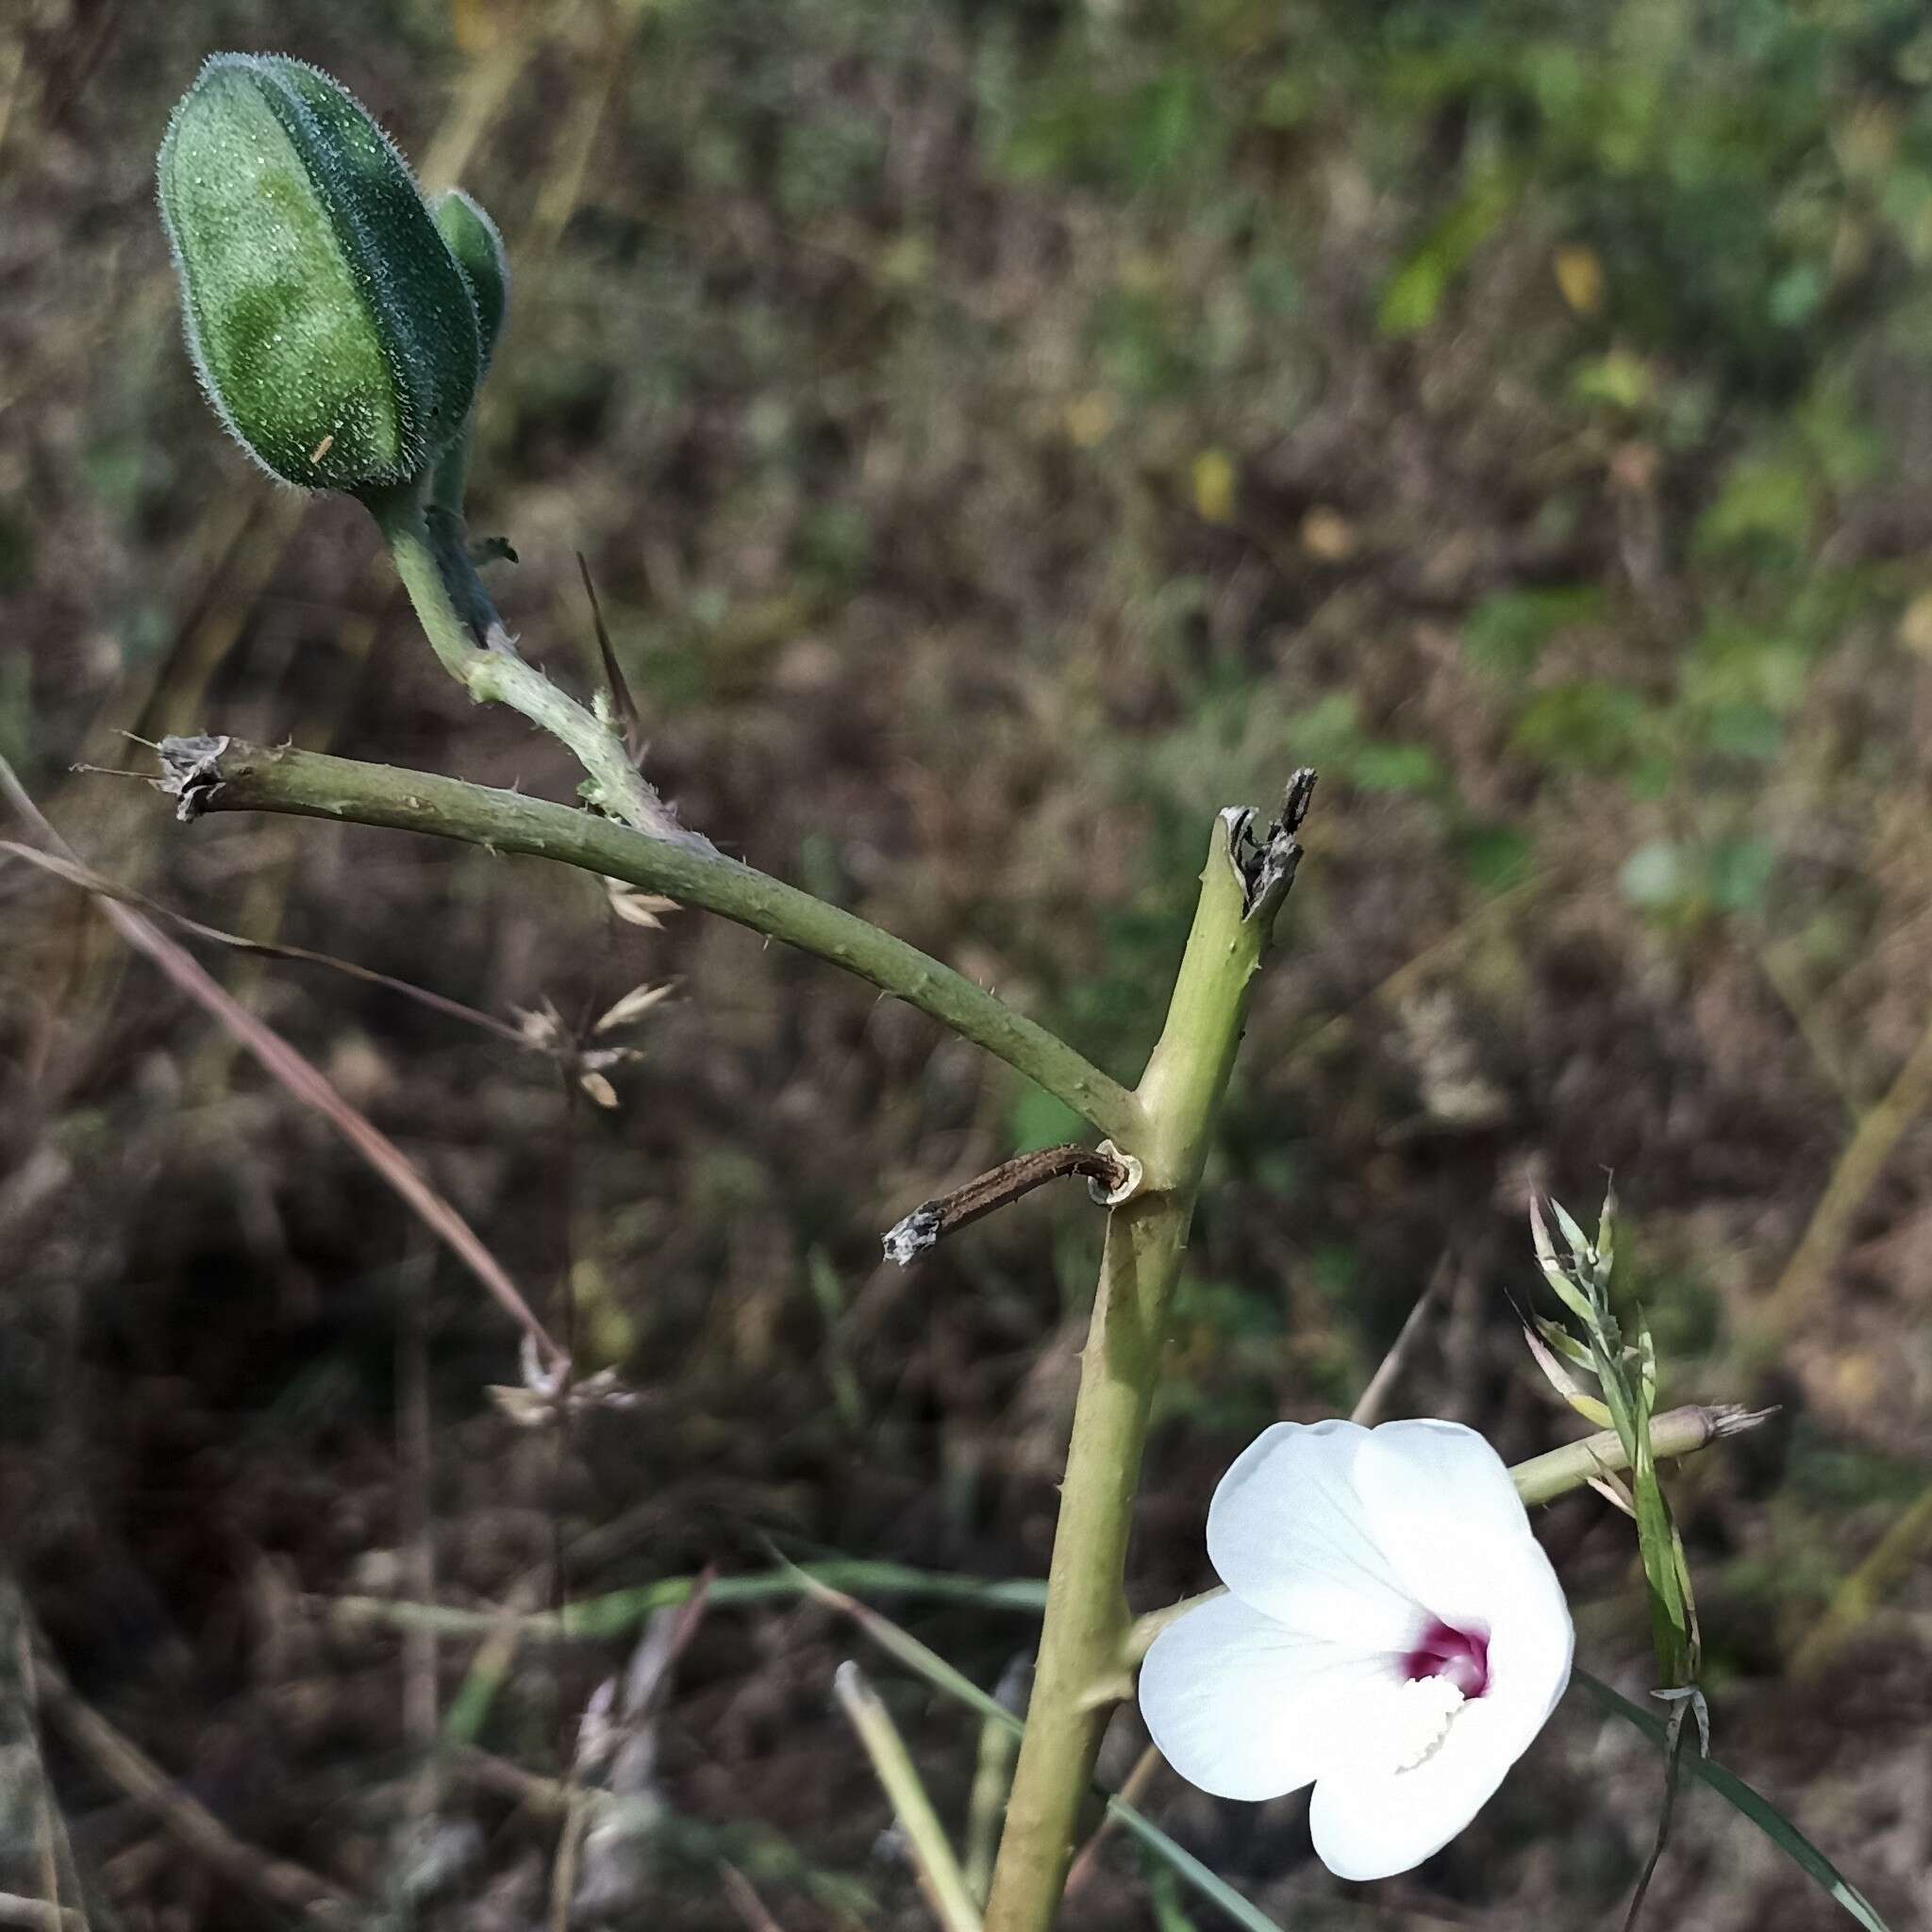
x,y
1002,432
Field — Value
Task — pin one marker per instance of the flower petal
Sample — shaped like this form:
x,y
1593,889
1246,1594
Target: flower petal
x,y
1531,1643
1372,1823
1441,1506
1245,1707
1369,1823
1287,1533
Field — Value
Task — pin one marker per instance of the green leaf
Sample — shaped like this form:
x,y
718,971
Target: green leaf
x,y
1744,730
1556,1271
1573,1232
1754,1805
1496,857
1768,502
1657,1542
1411,301
1565,1344
1619,380
1741,871
1393,767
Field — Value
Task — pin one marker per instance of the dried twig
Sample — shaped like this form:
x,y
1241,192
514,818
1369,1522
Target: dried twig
x,y
745,1899
1673,1749
617,1760
1370,1403
1133,1789
88,880
993,1778
33,1835
1113,1173
415,1461
40,1914
564,1872
1898,1552
123,1763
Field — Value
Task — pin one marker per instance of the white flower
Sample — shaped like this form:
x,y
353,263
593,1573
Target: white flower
x,y
1392,1634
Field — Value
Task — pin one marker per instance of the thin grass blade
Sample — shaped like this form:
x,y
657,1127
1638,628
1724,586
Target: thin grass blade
x,y
1754,1805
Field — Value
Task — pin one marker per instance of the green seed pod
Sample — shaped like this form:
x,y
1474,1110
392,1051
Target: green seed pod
x,y
330,326
474,241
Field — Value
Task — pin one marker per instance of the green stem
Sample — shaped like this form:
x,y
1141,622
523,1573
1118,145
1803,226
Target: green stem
x,y
228,775
1076,1680
431,553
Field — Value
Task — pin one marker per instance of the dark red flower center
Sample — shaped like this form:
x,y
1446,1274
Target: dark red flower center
x,y
1460,1656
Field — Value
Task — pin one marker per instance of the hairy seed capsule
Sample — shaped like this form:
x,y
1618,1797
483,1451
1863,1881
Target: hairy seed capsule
x,y
476,242
329,324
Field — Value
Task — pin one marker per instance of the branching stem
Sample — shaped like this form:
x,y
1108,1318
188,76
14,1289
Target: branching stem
x,y
1164,1128
432,558
230,774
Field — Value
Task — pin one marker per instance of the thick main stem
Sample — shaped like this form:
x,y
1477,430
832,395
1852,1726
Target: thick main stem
x,y
1076,1680
230,774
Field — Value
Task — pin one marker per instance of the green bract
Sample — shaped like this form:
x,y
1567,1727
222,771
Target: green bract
x,y
331,327
474,241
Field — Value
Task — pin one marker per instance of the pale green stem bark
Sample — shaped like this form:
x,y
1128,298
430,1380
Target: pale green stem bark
x,y
1087,1617
230,774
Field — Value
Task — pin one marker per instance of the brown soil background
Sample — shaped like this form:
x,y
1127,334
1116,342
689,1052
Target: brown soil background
x,y
997,447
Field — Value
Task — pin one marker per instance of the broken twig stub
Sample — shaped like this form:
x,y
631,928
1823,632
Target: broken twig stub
x,y
1112,1177
191,773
